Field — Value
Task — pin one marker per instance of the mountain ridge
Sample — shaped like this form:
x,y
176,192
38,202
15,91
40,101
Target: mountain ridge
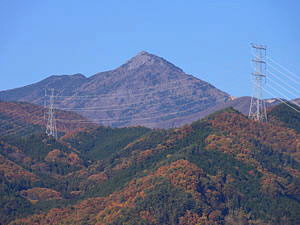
x,y
221,170
146,90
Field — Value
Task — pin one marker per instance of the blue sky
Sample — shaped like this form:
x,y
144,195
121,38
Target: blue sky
x,y
208,39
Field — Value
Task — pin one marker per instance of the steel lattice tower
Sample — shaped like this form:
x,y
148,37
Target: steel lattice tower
x,y
257,110
51,123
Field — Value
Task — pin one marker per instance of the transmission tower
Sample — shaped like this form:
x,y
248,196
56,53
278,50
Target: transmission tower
x,y
51,123
257,110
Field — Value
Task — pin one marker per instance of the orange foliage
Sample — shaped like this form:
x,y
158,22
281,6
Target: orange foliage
x,y
273,185
182,174
176,135
144,154
41,194
99,177
241,130
233,133
191,218
104,210
125,163
292,171
57,155
15,153
14,172
33,114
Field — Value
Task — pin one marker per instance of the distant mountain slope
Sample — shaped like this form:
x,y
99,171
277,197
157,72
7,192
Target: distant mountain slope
x,y
297,100
224,169
241,104
147,90
34,93
22,117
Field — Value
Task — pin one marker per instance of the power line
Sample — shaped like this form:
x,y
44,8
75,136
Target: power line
x,y
23,127
139,119
136,119
282,87
281,80
283,67
288,77
122,119
148,94
16,115
19,128
283,95
134,106
279,99
112,95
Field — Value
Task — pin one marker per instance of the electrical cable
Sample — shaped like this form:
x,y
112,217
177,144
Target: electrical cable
x,y
280,86
287,84
283,67
295,103
279,99
288,77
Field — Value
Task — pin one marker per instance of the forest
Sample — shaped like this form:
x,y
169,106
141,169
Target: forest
x,y
224,169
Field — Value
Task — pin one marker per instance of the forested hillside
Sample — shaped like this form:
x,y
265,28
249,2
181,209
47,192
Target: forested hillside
x,y
286,116
224,169
22,118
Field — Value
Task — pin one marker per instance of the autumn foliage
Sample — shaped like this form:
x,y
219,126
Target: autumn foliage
x,y
224,169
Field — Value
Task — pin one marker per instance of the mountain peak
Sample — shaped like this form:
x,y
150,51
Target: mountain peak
x,y
142,58
143,53
131,94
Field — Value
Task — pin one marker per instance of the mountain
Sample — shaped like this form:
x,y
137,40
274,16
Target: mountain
x,y
146,90
241,104
297,100
26,118
36,170
224,169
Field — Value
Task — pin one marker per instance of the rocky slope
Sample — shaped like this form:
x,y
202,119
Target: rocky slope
x,y
147,90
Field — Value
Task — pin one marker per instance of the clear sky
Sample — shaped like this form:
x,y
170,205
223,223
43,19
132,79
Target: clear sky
x,y
208,39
